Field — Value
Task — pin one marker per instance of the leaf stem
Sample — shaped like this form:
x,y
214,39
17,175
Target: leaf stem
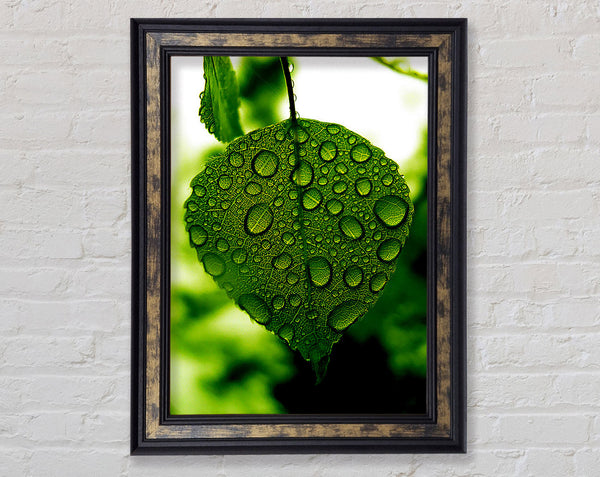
x,y
285,66
395,66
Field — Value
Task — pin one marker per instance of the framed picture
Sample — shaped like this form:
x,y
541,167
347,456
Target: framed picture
x,y
298,236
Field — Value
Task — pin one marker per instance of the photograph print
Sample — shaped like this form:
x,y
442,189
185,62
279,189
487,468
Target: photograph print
x,y
298,235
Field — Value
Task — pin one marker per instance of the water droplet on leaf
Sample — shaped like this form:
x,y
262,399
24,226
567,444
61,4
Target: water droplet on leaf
x,y
239,256
236,159
253,188
278,302
351,227
377,282
360,153
286,332
333,129
389,250
265,163
363,186
222,245
311,199
258,219
341,168
255,307
213,264
225,182
328,151
334,206
353,276
288,238
391,210
302,174
292,278
340,187
346,313
295,300
282,261
319,271
198,235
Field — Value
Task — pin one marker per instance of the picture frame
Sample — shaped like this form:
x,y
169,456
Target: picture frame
x,y
442,428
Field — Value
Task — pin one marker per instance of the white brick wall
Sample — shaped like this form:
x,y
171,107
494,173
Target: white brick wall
x,y
534,240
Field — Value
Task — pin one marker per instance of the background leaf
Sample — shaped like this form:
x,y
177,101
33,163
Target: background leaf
x,y
302,227
219,102
262,87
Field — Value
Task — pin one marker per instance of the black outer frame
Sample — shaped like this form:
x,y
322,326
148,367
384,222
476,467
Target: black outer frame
x,y
457,442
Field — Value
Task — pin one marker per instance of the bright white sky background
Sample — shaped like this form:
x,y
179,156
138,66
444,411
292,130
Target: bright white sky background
x,y
387,108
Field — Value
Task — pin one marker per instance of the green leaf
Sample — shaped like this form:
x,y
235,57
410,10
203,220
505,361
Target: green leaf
x,y
301,225
219,101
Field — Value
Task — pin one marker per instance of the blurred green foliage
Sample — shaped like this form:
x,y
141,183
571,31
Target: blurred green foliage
x,y
262,89
224,363
397,319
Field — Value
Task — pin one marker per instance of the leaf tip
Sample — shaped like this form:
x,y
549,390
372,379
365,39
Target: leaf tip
x,y
320,368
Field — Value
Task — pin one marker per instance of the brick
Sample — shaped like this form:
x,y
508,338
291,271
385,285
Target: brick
x,y
525,53
30,394
37,129
47,352
97,282
16,462
113,350
587,49
538,461
81,166
535,281
520,312
562,167
44,15
538,352
591,242
107,243
501,93
544,429
70,462
101,128
559,128
90,16
17,170
512,391
76,316
106,207
539,19
580,389
43,208
34,50
538,206
504,172
40,87
187,466
99,51
32,283
35,243
73,428
481,429
554,242
568,89
586,460
504,242
593,128
572,313
101,87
